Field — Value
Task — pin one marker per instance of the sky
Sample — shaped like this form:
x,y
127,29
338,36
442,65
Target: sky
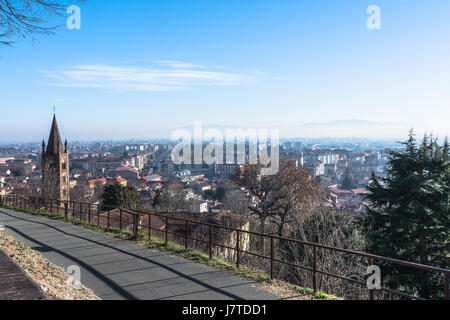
x,y
139,69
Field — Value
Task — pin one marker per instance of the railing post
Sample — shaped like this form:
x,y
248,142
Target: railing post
x,y
120,222
237,248
271,257
186,237
149,227
98,215
135,225
315,268
371,291
167,229
89,213
446,286
66,209
51,206
210,242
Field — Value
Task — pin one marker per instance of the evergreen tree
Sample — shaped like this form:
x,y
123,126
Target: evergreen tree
x,y
347,183
119,196
408,218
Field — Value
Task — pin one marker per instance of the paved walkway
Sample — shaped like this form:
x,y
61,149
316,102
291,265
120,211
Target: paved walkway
x,y
120,269
15,284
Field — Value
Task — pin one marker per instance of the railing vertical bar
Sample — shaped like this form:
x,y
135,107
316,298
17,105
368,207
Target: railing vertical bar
x,y
314,268
120,223
271,258
149,227
167,229
135,225
446,286
210,241
186,237
371,291
237,249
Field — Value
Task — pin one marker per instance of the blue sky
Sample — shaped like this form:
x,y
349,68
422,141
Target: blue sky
x,y
139,68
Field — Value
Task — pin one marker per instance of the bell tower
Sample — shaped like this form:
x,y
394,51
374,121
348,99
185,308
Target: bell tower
x,y
55,167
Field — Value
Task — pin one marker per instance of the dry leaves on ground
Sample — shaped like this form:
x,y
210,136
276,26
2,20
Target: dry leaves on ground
x,y
51,278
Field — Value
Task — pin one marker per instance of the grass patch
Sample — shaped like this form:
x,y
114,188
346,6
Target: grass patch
x,y
158,243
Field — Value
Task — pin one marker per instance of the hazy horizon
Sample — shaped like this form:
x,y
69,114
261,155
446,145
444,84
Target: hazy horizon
x,y
308,131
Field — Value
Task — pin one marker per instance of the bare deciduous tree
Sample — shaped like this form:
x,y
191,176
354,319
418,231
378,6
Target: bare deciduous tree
x,y
278,197
236,201
171,197
28,18
79,193
50,181
265,190
301,192
329,228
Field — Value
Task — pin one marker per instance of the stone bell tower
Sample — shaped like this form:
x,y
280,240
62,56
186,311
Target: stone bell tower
x,y
55,167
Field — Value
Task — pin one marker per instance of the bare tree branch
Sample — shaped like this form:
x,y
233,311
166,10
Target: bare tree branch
x,y
28,18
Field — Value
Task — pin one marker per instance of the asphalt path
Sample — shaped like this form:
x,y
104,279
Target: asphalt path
x,y
120,269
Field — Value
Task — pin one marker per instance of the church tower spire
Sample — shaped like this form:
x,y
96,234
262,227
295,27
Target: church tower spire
x,y
54,145
55,166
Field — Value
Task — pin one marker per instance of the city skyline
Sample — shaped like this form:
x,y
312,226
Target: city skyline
x,y
141,70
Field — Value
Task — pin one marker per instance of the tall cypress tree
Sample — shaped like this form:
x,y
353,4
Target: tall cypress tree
x,y
347,182
408,218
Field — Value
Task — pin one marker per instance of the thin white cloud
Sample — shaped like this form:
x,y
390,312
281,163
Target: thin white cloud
x,y
179,64
169,75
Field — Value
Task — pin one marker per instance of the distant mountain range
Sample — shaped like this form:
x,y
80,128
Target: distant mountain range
x,y
352,122
338,129
349,128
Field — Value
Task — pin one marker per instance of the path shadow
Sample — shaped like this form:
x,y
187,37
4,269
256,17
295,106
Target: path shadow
x,y
114,286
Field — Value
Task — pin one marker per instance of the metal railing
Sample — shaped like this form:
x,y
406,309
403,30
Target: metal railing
x,y
130,220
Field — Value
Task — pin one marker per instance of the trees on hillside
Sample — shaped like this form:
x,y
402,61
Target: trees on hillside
x,y
408,217
119,196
